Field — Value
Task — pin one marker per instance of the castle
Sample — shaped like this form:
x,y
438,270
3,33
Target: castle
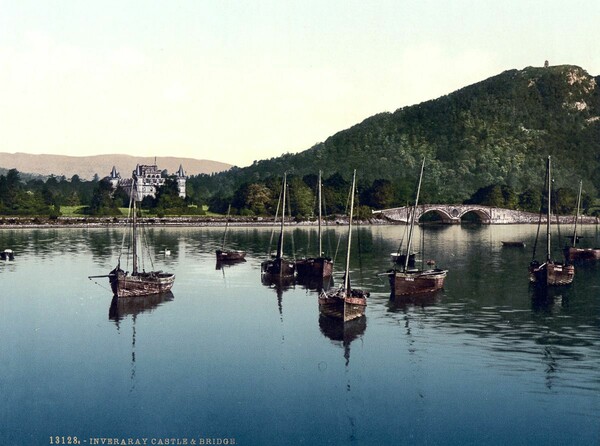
x,y
146,179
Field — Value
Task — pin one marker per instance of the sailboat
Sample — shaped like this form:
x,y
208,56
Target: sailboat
x,y
573,252
138,283
231,255
408,280
345,302
549,273
316,267
278,267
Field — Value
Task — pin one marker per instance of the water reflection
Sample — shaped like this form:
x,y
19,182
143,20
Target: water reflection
x,y
132,306
402,302
315,283
343,333
224,264
547,299
279,284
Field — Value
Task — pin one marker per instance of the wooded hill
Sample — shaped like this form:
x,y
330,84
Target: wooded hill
x,y
495,132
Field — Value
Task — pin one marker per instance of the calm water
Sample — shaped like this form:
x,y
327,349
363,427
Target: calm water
x,y
486,361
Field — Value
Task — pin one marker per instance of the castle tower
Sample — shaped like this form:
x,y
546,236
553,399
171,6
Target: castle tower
x,y
181,178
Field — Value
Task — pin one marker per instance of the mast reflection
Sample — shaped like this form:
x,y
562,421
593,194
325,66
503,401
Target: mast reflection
x,y
133,306
280,284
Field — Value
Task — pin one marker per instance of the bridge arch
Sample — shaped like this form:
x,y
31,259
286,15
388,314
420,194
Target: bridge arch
x,y
453,213
481,215
440,212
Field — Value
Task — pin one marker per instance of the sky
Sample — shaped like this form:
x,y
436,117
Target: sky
x,y
239,81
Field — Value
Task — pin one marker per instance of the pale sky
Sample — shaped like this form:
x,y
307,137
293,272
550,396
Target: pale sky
x,y
238,81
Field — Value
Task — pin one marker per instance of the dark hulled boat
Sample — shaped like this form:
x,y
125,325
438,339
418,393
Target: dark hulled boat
x,y
574,252
345,303
278,266
513,244
549,272
229,255
407,280
136,283
316,267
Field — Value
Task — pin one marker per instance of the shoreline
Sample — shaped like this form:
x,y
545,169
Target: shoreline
x,y
105,222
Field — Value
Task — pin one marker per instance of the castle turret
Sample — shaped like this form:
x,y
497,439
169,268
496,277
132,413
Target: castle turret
x,y
181,178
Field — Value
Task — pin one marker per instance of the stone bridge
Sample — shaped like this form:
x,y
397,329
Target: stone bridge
x,y
454,213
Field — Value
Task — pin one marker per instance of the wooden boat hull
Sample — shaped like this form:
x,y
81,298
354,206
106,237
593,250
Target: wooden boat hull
x,y
551,274
141,284
230,256
314,267
513,244
278,267
416,282
337,304
582,253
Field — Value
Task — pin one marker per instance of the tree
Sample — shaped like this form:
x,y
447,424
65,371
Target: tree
x,y
380,195
102,200
302,198
258,198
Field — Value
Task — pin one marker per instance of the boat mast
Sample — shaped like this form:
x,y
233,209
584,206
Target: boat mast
x,y
280,243
320,216
549,212
347,275
134,237
412,220
226,226
574,241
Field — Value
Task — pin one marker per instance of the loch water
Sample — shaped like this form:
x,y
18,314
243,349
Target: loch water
x,y
227,359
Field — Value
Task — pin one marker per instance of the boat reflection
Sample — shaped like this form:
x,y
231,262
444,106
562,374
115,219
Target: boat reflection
x,y
226,263
343,333
544,300
133,306
416,300
121,308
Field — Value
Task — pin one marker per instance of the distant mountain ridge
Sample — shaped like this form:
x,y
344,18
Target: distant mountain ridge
x,y
87,166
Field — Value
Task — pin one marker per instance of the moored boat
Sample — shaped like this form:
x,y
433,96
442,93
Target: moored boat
x,y
513,244
316,267
407,280
278,265
345,303
549,272
229,255
576,253
137,283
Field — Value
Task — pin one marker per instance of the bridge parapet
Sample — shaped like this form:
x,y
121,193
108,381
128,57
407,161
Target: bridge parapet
x,y
453,213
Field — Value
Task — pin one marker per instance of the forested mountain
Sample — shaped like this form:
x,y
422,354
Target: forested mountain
x,y
495,132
